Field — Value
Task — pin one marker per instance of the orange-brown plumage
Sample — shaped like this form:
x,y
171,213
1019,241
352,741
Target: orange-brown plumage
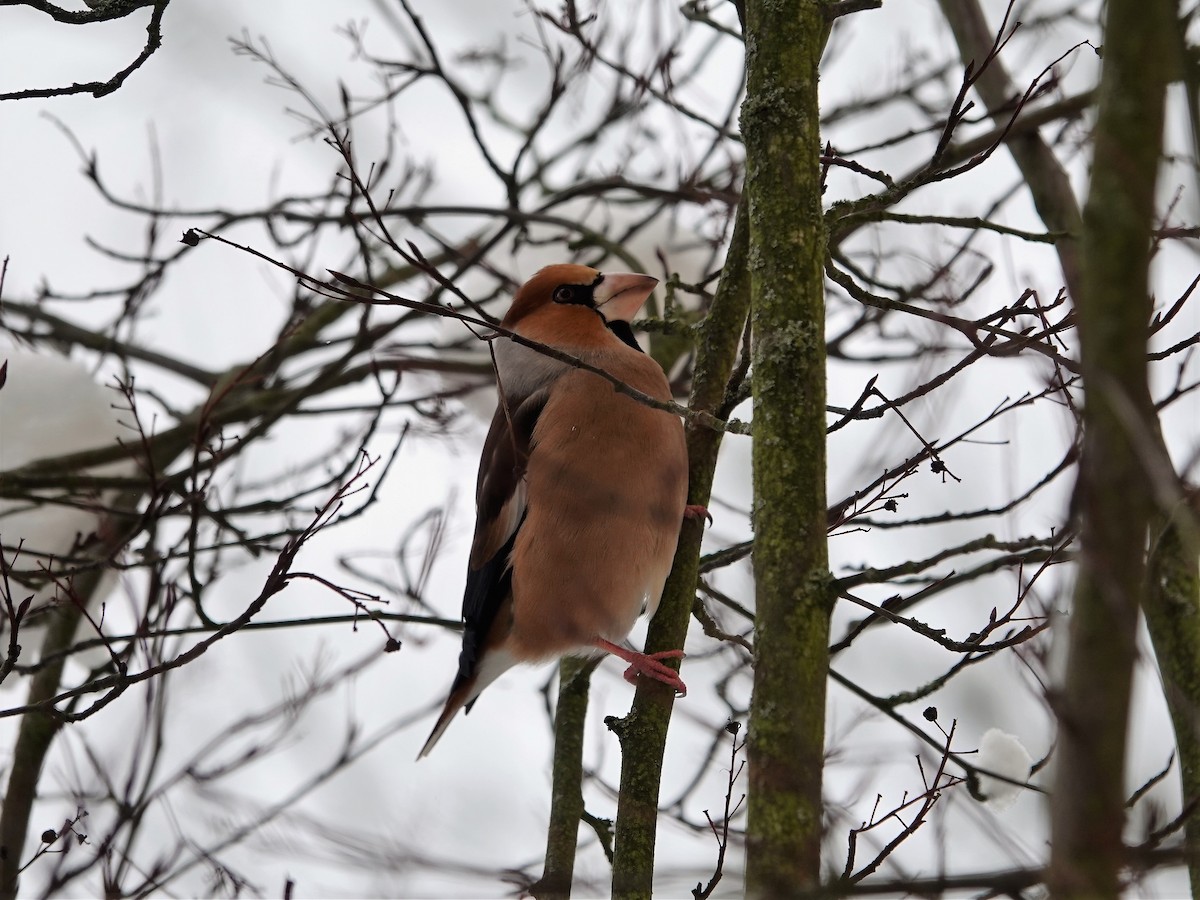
x,y
581,489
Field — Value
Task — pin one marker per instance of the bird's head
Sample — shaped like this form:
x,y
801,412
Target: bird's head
x,y
560,293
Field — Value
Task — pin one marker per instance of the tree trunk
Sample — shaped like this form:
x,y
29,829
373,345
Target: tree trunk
x,y
1113,494
566,796
1173,620
787,252
643,732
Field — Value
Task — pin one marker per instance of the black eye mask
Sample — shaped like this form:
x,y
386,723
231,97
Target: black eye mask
x,y
585,295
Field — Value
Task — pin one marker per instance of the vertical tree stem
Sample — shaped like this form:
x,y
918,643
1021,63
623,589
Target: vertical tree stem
x,y
38,729
1173,620
34,738
780,125
566,796
643,732
1113,493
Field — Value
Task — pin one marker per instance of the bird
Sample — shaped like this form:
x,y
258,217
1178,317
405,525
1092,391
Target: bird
x,y
581,490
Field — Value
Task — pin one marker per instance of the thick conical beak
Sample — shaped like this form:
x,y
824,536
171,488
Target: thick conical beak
x,y
619,295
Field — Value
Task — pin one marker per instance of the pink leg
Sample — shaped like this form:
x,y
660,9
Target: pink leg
x,y
647,664
696,511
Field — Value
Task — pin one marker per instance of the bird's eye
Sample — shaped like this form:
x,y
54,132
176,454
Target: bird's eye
x,y
564,294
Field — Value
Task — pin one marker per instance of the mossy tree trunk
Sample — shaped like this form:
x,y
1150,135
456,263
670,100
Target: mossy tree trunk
x,y
787,255
643,732
566,797
1113,496
1173,619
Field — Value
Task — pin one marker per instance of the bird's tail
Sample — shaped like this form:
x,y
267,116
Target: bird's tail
x,y
466,690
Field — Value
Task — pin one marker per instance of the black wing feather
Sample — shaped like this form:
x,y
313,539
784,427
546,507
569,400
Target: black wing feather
x,y
506,453
486,589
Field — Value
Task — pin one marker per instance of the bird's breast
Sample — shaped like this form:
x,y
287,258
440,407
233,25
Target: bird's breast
x,y
607,484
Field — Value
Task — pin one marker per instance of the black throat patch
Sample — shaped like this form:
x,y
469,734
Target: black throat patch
x,y
624,331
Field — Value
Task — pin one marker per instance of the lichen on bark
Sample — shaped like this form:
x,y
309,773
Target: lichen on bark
x,y
788,246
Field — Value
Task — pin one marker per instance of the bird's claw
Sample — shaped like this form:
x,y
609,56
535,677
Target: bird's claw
x,y
697,511
648,664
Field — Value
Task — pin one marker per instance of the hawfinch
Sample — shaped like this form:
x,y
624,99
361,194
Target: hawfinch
x,y
581,489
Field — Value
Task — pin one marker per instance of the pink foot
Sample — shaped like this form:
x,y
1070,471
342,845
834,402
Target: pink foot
x,y
648,664
696,511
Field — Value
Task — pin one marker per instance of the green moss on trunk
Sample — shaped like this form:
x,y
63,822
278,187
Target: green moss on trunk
x,y
643,733
1173,619
566,796
788,245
